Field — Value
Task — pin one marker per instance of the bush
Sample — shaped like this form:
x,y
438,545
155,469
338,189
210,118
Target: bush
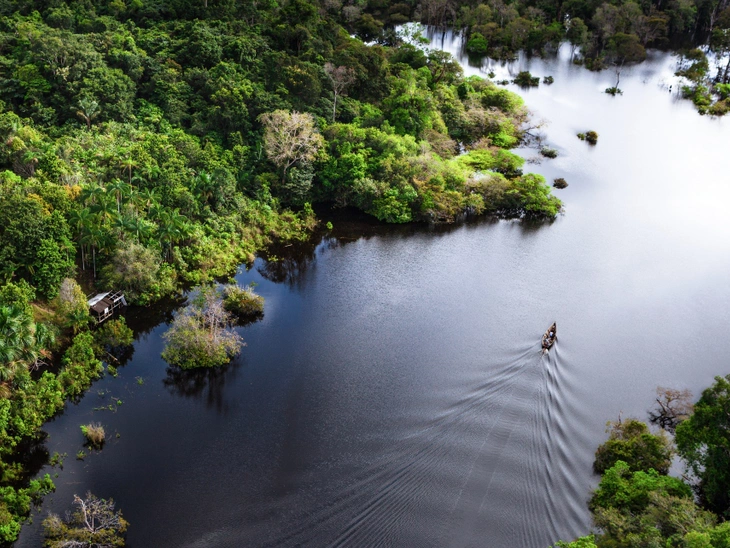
x,y
242,301
549,152
592,137
560,183
614,91
548,80
630,441
582,136
95,435
526,80
113,338
80,366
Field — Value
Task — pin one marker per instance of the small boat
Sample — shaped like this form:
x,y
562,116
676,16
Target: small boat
x,y
549,338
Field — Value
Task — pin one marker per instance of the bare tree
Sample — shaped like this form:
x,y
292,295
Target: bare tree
x,y
672,407
290,138
95,524
341,78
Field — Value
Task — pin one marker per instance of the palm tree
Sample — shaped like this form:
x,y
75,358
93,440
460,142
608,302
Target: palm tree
x,y
93,238
204,186
17,343
172,228
127,164
140,227
105,209
92,193
120,189
88,110
81,219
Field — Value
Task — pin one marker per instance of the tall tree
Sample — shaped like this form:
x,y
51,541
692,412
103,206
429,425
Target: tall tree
x,y
703,441
290,138
340,78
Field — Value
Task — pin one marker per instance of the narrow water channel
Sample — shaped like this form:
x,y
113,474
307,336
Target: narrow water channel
x,y
394,393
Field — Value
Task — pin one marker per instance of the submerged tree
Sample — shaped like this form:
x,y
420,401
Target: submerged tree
x,y
201,335
96,523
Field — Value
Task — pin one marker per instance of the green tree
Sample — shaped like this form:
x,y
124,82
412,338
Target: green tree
x,y
630,441
703,441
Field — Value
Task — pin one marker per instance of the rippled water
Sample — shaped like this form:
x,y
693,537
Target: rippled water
x,y
395,394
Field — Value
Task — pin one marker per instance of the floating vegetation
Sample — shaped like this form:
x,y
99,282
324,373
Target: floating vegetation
x,y
94,434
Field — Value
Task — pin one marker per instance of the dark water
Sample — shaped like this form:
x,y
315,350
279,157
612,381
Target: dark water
x,y
394,394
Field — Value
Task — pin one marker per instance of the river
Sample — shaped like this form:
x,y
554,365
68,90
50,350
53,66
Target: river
x,y
394,393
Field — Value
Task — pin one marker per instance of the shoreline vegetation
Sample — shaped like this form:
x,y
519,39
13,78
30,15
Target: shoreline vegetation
x,y
602,35
637,503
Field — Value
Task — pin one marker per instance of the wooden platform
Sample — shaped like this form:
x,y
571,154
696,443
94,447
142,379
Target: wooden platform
x,y
103,305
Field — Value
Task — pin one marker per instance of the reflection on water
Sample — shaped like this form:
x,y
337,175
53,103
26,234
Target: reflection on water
x,y
394,394
206,385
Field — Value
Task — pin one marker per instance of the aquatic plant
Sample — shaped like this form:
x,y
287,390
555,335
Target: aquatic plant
x,y
243,302
94,434
592,137
525,79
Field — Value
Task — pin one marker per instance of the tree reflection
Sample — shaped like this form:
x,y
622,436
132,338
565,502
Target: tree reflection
x,y
205,384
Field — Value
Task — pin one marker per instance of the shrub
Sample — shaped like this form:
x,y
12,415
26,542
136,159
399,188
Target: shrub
x,y
582,136
80,366
592,137
242,301
94,433
548,80
560,183
549,152
113,338
614,91
526,80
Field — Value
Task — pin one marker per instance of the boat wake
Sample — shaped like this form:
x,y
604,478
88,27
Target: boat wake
x,y
437,485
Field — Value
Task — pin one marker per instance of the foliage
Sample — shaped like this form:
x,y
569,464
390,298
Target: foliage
x,y
200,335
94,523
560,183
80,366
242,301
631,442
592,137
549,152
72,305
703,441
582,542
112,338
526,80
94,434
